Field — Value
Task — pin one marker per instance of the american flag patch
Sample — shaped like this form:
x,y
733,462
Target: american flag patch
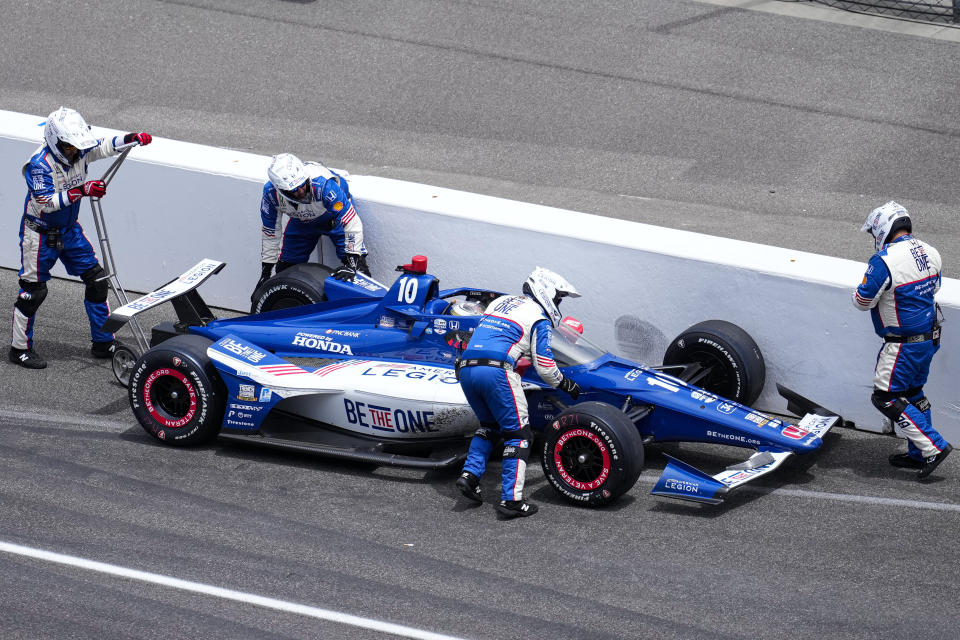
x,y
285,369
546,362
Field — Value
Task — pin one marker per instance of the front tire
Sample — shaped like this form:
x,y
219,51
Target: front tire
x,y
176,393
592,454
295,286
736,369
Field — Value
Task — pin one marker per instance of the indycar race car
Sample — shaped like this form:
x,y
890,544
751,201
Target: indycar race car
x,y
361,371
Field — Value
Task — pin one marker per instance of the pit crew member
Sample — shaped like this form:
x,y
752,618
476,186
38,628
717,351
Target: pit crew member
x,y
56,177
317,202
898,288
512,327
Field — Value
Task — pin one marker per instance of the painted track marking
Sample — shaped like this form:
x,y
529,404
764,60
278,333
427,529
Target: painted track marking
x,y
841,497
226,594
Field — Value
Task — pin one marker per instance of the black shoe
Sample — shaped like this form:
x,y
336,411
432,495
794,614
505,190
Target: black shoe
x,y
905,461
516,508
103,349
27,358
469,486
931,463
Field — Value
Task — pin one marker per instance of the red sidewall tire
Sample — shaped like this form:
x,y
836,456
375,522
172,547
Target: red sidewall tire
x,y
175,392
592,454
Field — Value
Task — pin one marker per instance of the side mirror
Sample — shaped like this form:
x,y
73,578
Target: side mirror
x,y
572,323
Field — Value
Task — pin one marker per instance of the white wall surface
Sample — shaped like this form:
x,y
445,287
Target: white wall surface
x,y
173,203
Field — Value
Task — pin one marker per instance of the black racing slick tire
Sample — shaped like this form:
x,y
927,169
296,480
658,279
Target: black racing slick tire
x,y
592,454
176,393
296,286
734,365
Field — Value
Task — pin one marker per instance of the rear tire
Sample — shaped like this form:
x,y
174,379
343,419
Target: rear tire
x,y
592,454
176,393
296,286
737,370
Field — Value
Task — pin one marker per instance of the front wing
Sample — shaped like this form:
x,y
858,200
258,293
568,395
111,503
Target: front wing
x,y
685,482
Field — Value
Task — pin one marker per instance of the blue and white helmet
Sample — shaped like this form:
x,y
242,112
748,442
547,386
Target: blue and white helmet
x,y
288,173
67,126
548,288
884,221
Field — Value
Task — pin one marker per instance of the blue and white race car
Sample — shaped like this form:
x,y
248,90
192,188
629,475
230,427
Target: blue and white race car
x,y
361,371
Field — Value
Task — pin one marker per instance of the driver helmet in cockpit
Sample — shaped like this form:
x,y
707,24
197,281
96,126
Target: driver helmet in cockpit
x,y
467,308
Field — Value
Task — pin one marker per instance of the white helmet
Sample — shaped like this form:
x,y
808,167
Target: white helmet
x,y
467,308
548,288
67,126
288,173
884,221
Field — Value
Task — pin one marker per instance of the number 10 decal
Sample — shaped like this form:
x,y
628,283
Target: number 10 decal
x,y
407,290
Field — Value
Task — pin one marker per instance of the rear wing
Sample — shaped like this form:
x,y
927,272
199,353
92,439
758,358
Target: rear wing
x,y
188,304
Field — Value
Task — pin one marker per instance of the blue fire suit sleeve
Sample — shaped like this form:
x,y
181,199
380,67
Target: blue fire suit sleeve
x,y
337,199
542,355
875,281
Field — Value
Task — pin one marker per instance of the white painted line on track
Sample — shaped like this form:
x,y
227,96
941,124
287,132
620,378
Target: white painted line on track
x,y
227,594
842,497
69,421
886,502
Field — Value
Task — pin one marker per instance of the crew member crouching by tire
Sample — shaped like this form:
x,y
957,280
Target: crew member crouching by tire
x,y
317,202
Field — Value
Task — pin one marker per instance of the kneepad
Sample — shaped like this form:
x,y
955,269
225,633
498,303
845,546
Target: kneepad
x,y
889,404
31,298
96,284
521,450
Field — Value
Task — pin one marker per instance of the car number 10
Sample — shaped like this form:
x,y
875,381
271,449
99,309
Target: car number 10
x,y
407,290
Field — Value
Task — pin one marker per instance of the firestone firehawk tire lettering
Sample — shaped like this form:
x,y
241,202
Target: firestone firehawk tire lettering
x,y
738,371
592,454
299,285
175,392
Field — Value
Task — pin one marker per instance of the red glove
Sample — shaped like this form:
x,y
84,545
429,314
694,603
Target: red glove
x,y
93,188
143,139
